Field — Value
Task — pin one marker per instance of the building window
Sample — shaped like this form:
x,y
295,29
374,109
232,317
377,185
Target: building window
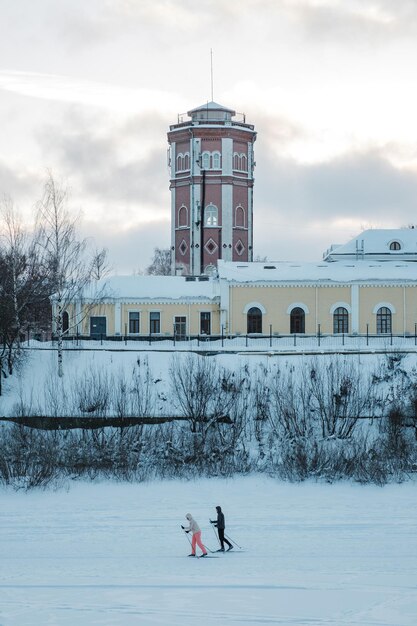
x,y
395,245
65,322
205,162
216,160
383,321
297,321
182,216
211,215
134,319
340,321
180,328
154,322
240,162
254,320
205,323
240,217
183,162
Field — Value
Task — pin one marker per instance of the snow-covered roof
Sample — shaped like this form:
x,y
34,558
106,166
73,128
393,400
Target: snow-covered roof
x,y
154,287
377,242
341,272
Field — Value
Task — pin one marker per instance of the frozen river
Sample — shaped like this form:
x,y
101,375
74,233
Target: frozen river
x,y
114,554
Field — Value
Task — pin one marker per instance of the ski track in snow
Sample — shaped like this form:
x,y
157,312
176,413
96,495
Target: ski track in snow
x,y
108,553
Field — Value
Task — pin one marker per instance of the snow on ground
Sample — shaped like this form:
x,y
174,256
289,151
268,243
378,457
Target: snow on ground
x,y
114,554
37,376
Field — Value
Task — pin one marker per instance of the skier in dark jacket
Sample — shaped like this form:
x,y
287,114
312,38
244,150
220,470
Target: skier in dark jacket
x,y
220,525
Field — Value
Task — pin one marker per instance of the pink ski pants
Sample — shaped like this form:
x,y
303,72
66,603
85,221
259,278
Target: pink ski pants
x,y
196,539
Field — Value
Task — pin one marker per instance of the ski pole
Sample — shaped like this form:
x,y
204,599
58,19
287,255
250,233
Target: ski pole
x,y
186,534
215,534
230,539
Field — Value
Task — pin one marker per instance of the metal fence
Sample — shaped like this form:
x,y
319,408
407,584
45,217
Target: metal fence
x,y
235,343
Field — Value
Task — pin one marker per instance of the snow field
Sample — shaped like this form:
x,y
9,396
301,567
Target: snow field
x,y
114,554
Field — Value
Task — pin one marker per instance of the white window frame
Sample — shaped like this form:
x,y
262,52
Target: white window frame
x,y
206,217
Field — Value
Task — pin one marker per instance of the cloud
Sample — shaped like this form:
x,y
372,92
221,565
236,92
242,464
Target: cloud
x,y
129,250
21,185
118,168
299,210
102,95
329,19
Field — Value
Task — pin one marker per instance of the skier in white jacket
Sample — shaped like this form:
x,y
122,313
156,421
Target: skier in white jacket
x,y
196,535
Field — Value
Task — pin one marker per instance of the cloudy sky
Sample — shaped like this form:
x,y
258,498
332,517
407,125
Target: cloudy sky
x,y
89,88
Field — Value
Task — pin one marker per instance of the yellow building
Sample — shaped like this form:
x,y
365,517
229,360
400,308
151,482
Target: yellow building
x,y
358,289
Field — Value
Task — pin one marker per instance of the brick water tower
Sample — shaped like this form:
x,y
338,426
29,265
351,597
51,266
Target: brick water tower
x,y
212,162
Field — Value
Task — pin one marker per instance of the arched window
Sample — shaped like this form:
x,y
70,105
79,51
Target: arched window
x,y
65,322
186,164
395,245
235,161
205,161
211,215
216,160
383,321
180,159
340,321
240,216
182,216
297,321
254,317
244,162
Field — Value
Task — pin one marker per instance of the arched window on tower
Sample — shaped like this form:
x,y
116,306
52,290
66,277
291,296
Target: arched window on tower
x,y
297,321
211,215
186,161
254,320
340,321
216,160
182,216
240,162
205,161
240,217
180,162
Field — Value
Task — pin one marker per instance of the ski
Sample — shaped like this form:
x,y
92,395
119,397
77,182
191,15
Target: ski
x,y
208,556
234,550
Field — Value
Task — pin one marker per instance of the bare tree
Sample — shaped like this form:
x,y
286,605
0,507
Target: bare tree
x,y
24,286
161,263
203,392
99,266
290,406
341,394
65,258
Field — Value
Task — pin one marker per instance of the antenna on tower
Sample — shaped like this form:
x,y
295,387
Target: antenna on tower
x,y
211,66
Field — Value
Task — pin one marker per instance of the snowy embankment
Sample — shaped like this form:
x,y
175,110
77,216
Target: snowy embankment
x,y
36,379
105,554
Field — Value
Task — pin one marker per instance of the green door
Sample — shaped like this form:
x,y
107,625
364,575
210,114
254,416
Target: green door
x,y
98,327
